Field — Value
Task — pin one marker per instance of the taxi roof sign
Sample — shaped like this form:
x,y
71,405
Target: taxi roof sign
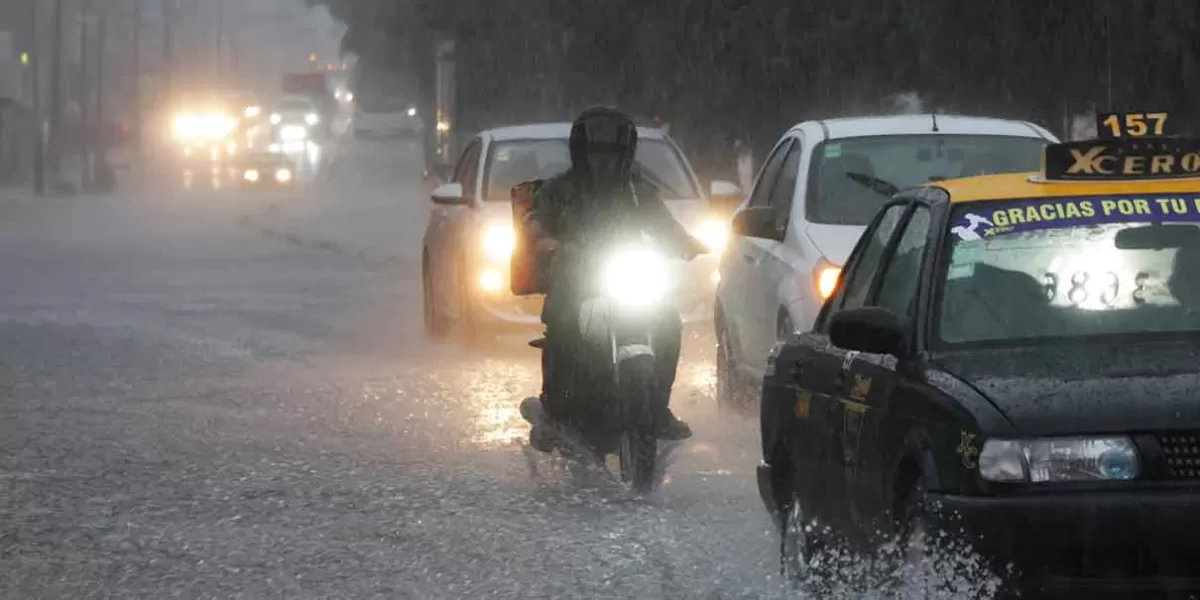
x,y
1117,159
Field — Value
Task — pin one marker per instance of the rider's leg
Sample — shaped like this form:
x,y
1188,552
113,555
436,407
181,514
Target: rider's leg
x,y
668,339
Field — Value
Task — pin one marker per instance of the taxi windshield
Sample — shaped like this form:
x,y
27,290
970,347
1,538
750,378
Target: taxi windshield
x,y
1070,268
852,178
518,161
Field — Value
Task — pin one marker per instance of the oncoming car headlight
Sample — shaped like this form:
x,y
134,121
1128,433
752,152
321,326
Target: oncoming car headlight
x,y
283,175
293,133
636,277
1058,460
714,233
251,175
186,127
498,242
312,118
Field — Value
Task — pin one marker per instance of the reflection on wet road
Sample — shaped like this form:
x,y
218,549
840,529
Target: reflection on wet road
x,y
194,409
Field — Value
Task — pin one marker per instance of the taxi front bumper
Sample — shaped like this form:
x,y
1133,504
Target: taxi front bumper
x,y
1106,542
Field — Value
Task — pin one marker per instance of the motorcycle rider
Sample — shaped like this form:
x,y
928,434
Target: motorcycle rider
x,y
600,191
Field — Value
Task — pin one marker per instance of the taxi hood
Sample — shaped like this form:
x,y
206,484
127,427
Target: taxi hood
x,y
1048,391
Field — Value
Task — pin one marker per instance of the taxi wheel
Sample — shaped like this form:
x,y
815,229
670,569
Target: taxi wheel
x,y
435,324
800,542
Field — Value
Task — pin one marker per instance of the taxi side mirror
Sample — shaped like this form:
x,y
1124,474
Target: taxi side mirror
x,y
870,329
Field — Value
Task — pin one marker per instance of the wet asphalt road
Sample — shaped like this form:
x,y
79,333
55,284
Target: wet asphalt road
x,y
189,408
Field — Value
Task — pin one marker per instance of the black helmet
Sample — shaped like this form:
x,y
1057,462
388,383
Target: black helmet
x,y
603,145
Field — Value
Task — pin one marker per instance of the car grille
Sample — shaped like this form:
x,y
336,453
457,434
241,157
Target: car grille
x,y
1180,454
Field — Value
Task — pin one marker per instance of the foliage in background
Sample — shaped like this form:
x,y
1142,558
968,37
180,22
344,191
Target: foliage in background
x,y
749,68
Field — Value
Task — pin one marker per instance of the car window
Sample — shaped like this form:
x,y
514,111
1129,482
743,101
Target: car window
x,y
858,284
785,187
761,195
516,161
851,178
468,169
902,273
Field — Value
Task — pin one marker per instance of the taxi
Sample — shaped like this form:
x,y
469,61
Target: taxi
x,y
1013,360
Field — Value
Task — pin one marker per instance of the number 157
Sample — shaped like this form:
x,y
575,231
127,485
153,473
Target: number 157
x,y
1135,124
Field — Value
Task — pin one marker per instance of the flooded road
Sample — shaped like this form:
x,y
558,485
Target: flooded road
x,y
192,408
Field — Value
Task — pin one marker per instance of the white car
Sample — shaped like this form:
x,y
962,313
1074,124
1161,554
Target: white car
x,y
386,117
816,192
469,239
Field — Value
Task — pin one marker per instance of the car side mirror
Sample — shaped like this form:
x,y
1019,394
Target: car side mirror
x,y
450,194
756,222
870,329
724,196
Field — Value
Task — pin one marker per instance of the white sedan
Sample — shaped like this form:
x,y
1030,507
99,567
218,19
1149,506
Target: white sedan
x,y
469,238
817,191
389,117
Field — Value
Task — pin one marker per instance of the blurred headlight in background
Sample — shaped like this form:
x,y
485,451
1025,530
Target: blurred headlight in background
x,y
312,118
293,133
252,111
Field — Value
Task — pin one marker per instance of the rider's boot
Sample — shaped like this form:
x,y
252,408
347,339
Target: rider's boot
x,y
533,411
672,428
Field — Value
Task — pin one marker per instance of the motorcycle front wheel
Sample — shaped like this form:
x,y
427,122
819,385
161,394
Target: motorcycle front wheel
x,y
638,444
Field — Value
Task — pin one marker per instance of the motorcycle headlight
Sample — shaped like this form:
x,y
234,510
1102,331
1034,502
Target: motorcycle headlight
x,y
293,133
312,118
412,112
1058,460
714,233
498,242
636,278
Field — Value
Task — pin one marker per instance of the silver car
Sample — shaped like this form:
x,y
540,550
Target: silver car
x,y
469,238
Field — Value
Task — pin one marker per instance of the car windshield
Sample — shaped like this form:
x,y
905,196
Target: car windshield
x,y
382,104
514,162
1070,268
852,178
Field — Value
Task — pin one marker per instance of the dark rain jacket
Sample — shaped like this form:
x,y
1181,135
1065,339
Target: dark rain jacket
x,y
565,210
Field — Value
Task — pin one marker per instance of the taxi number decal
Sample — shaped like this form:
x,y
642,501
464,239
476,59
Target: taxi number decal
x,y
1131,124
968,450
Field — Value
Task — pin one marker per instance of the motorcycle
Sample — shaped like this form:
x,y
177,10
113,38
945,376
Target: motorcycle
x,y
619,381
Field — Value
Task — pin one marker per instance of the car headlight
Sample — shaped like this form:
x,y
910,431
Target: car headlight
x,y
186,127
714,233
1051,460
276,118
412,112
252,111
825,279
312,118
636,277
218,126
251,175
498,242
283,175
293,133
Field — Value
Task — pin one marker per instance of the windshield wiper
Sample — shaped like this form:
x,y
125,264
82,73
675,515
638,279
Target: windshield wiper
x,y
874,184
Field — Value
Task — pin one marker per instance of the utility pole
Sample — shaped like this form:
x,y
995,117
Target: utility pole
x,y
87,89
54,154
135,126
39,127
168,10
